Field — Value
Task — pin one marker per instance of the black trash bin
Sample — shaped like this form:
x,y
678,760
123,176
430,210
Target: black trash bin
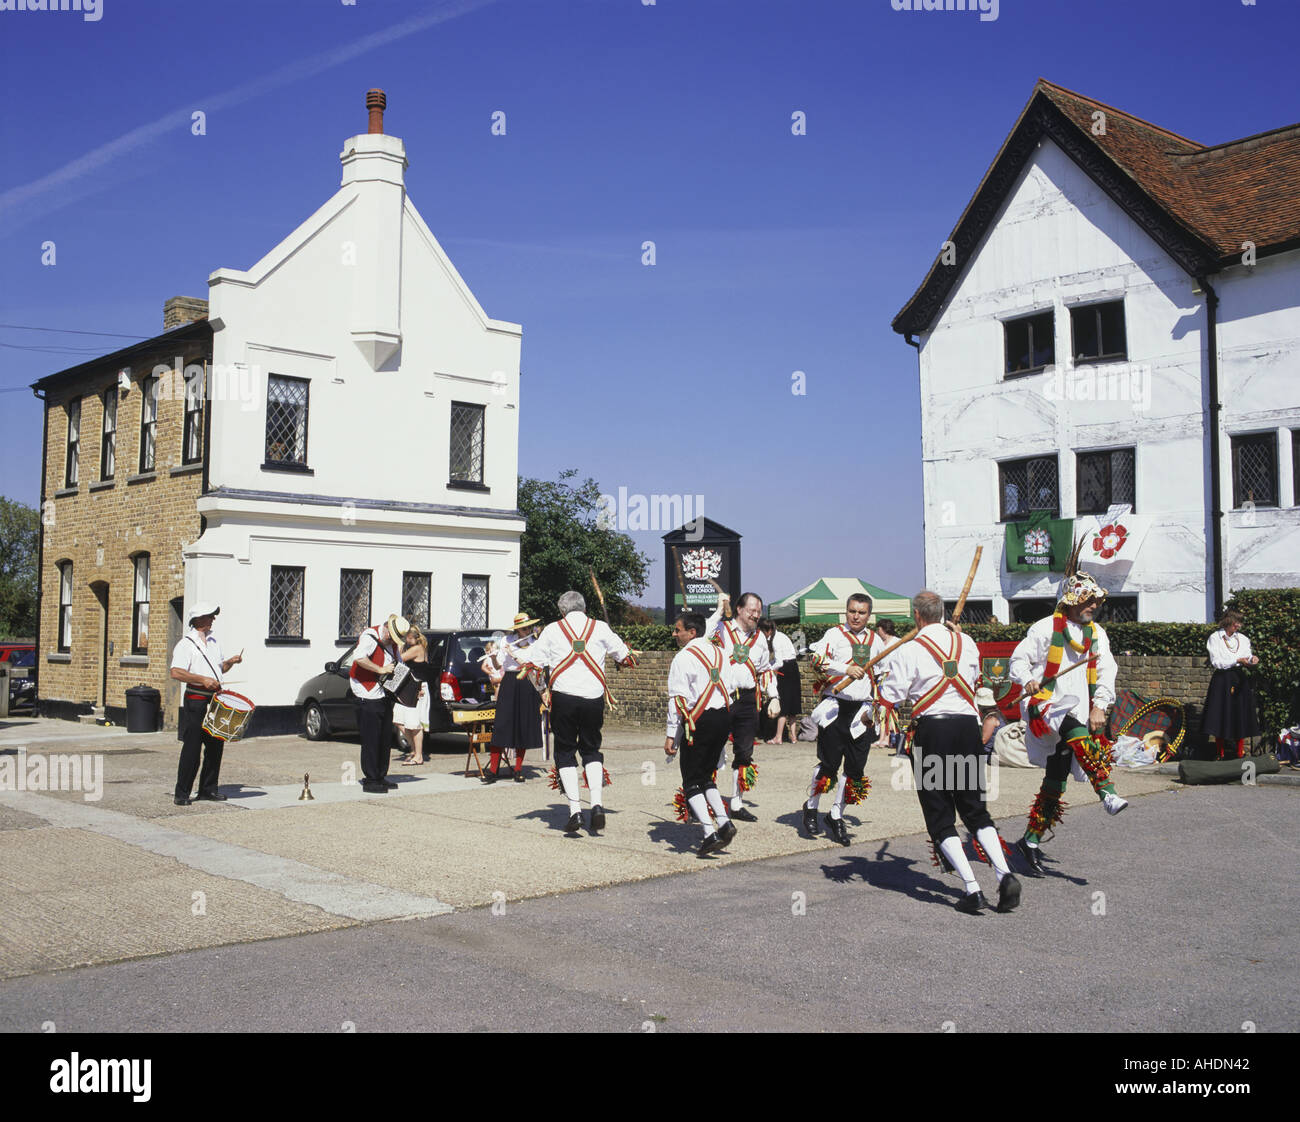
x,y
143,704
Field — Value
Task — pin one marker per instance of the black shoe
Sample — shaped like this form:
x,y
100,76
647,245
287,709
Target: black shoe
x,y
211,797
1008,893
573,825
180,800
519,777
726,834
972,902
597,819
371,788
488,777
711,844
810,826
742,815
836,831
389,784
1032,856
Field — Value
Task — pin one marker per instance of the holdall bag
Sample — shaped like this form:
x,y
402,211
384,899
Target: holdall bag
x,y
1199,772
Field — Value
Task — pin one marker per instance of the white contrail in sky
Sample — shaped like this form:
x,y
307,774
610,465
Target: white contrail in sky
x,y
43,195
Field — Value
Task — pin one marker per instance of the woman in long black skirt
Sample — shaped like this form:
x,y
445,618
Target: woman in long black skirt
x,y
1231,716
789,689
518,725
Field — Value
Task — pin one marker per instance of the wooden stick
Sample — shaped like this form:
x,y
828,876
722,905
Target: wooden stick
x,y
599,595
883,654
970,579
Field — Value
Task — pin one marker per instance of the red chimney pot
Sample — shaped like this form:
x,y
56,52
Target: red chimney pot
x,y
376,102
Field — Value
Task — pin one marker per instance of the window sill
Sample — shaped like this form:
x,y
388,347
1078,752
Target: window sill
x,y
133,660
186,469
286,641
58,656
143,477
101,485
66,491
1104,360
1007,375
341,642
280,465
466,485
1028,515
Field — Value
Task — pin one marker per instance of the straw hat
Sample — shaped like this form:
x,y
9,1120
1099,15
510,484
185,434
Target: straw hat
x,y
398,626
522,620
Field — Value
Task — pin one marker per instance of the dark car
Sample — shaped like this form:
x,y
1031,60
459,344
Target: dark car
x,y
453,669
22,688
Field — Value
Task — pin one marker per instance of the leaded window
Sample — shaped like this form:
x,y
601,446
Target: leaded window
x,y
74,443
1098,332
415,598
140,606
108,436
1031,611
1027,487
286,420
1118,609
287,583
473,602
466,443
974,611
1030,343
1254,470
148,424
1105,479
354,602
195,394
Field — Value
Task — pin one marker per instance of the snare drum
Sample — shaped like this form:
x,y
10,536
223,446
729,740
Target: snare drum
x,y
227,715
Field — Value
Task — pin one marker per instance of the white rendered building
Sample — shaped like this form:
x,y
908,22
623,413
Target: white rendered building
x,y
1115,323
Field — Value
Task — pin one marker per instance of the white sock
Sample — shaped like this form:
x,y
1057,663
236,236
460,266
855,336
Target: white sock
x,y
952,850
569,782
718,804
700,806
813,797
987,836
596,781
837,810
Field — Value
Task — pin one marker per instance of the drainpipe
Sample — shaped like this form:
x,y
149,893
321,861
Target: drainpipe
x,y
40,540
1216,497
907,338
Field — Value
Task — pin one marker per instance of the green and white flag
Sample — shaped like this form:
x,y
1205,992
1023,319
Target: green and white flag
x,y
1040,545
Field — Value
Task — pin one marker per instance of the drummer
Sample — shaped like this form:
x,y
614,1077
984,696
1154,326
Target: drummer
x,y
197,662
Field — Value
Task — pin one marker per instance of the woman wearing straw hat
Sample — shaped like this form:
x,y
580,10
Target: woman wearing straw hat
x,y
518,725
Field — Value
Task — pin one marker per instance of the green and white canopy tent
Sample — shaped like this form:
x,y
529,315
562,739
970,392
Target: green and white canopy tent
x,y
823,602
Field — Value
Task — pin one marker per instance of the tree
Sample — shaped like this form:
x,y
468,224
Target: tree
x,y
20,532
565,540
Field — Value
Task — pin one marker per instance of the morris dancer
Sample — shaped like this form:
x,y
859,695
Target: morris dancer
x,y
518,724
1230,714
575,648
844,718
1067,674
749,671
699,719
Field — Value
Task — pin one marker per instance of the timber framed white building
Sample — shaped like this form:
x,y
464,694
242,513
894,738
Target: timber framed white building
x,y
1114,327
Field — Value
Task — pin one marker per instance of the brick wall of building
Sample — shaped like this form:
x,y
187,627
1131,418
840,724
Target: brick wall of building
x,y
100,527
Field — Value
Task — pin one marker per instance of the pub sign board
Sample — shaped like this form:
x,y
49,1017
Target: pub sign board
x,y
698,558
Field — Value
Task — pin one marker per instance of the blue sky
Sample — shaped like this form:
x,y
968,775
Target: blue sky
x,y
626,122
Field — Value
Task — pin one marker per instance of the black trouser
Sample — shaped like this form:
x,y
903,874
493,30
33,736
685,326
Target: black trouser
x,y
1058,763
374,722
699,758
192,737
949,765
744,727
835,743
576,723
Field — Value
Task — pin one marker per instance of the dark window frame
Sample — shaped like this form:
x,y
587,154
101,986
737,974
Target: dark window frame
x,y
467,479
64,638
1027,511
73,444
1028,322
192,428
975,611
1079,457
422,623
108,436
148,424
1029,609
271,632
137,648
344,636
1238,443
1129,610
295,462
1295,467
1077,312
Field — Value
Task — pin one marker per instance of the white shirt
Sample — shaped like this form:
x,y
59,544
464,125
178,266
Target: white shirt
x,y
508,650
189,655
552,648
752,672
1224,652
1029,662
913,672
782,648
688,678
836,652
367,644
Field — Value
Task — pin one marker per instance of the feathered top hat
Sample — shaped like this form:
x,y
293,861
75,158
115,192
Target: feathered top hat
x,y
1079,587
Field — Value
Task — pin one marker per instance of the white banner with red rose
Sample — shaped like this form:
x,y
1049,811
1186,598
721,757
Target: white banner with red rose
x,y
1111,539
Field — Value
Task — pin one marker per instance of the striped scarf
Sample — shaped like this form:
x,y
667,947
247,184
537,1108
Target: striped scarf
x,y
1055,655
